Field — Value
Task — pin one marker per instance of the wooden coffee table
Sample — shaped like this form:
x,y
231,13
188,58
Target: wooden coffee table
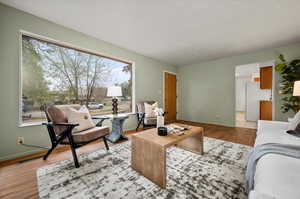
x,y
148,154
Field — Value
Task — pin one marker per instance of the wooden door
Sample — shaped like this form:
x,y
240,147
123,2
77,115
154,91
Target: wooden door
x,y
266,77
170,96
265,110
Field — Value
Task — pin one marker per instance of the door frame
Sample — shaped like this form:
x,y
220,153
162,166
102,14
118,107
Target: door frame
x,y
273,90
163,92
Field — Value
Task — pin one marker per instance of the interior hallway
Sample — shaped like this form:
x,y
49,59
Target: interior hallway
x,y
240,121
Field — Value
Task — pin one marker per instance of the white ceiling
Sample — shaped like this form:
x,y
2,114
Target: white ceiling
x,y
176,31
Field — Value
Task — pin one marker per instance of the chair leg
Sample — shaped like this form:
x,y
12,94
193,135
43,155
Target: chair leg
x,y
74,156
139,123
105,142
73,148
48,153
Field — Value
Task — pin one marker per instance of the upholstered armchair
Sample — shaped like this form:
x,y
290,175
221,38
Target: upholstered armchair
x,y
141,115
61,131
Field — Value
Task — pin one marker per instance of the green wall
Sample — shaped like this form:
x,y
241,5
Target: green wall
x,y
207,89
148,86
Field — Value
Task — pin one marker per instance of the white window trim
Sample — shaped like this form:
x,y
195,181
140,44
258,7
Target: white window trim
x,y
44,38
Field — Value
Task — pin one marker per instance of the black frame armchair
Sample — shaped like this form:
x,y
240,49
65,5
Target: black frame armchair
x,y
61,133
142,120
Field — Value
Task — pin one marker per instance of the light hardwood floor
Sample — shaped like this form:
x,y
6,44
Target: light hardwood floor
x,y
18,180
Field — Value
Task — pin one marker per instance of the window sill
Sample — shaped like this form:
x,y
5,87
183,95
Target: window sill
x,y
40,123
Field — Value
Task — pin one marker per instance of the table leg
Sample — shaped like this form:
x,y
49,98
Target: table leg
x,y
117,130
193,143
149,159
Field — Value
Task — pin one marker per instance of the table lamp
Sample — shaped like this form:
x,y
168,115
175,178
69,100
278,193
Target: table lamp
x,y
114,92
296,91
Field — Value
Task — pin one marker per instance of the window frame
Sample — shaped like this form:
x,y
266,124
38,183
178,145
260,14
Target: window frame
x,y
65,45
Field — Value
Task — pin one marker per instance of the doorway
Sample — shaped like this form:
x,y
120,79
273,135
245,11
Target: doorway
x,y
170,96
253,93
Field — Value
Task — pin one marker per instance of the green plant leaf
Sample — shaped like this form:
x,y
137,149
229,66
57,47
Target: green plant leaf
x,y
281,58
280,67
289,72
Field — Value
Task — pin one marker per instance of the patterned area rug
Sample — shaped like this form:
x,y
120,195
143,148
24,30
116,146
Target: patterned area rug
x,y
219,173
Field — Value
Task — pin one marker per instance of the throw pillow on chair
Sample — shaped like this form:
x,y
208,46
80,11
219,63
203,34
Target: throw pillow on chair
x,y
82,117
150,109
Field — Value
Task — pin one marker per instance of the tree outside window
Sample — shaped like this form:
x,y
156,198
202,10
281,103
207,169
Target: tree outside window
x,y
55,74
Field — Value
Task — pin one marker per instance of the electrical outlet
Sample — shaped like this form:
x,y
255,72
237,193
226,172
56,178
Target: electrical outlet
x,y
217,116
20,140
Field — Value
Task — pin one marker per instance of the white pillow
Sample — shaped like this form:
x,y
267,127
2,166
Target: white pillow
x,y
294,122
82,117
149,109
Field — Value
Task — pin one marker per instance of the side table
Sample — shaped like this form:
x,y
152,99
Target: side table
x,y
101,119
117,126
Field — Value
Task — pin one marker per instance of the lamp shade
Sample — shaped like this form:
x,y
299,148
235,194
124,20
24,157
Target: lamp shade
x,y
296,91
114,91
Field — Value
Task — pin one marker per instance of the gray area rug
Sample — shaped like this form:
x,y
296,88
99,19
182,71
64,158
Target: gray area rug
x,y
219,173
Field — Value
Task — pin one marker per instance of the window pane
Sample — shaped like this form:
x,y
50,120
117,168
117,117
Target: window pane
x,y
53,74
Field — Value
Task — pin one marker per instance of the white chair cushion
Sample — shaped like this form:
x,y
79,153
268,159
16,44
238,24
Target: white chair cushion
x,y
258,195
276,175
149,109
82,117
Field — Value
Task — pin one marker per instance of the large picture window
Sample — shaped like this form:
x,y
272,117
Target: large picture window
x,y
53,73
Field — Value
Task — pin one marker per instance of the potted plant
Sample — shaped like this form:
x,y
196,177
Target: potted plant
x,y
289,72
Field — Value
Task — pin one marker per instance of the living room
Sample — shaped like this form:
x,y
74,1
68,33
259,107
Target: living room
x,y
156,81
